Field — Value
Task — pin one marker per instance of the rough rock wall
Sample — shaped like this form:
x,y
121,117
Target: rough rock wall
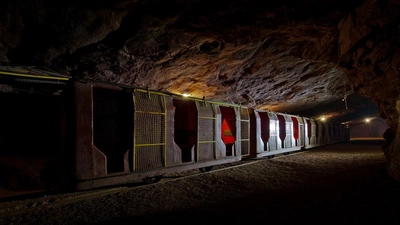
x,y
36,32
369,48
279,56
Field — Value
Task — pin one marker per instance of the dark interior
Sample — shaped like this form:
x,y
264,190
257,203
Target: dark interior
x,y
186,127
295,129
282,129
309,128
113,126
32,132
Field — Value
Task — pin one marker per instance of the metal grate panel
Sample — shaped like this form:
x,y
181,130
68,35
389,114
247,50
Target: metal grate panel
x,y
149,130
149,157
244,131
245,147
149,102
244,113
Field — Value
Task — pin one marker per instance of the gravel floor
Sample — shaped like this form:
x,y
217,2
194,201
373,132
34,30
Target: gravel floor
x,y
337,184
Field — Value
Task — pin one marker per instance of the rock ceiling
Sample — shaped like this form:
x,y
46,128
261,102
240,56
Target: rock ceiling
x,y
287,56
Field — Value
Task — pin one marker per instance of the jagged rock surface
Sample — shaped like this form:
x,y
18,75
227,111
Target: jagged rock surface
x,y
370,56
288,56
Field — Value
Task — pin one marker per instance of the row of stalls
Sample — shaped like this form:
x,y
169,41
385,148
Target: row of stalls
x,y
86,134
275,133
94,134
123,134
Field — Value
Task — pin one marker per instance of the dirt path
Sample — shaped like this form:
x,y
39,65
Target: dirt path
x,y
337,184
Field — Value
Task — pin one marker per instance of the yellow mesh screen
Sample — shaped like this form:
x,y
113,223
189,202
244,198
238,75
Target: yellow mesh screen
x,y
149,130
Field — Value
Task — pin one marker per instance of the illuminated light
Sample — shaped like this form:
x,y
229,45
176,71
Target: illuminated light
x,y
367,120
185,95
323,119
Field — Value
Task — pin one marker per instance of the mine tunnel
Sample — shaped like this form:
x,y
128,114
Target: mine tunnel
x,y
106,94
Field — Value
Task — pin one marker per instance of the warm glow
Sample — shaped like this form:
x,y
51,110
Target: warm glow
x,y
367,120
323,119
185,95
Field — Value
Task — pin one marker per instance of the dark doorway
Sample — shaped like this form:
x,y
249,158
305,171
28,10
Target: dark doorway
x,y
113,126
186,127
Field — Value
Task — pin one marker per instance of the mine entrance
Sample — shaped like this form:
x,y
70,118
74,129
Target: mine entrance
x,y
113,126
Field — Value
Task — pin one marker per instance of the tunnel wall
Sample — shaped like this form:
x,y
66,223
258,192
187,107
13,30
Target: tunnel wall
x,y
373,129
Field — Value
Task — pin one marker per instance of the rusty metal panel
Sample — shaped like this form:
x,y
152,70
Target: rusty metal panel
x,y
173,153
85,165
149,130
112,126
90,161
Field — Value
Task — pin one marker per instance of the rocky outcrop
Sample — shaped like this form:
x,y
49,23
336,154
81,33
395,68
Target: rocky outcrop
x,y
369,50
